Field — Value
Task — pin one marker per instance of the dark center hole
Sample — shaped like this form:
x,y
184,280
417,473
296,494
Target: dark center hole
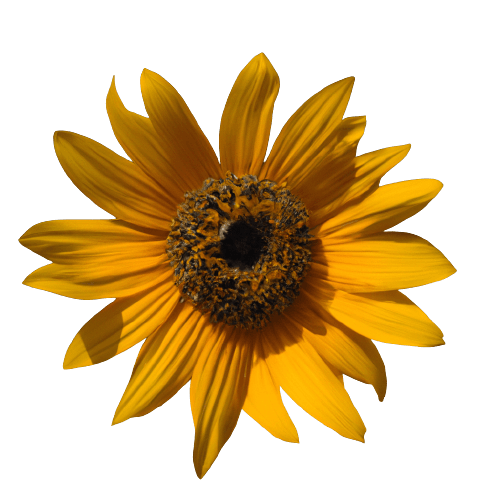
x,y
242,245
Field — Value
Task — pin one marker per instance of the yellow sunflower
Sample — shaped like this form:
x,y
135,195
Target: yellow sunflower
x,y
243,275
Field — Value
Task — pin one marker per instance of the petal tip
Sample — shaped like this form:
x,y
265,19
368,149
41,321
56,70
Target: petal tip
x,y
77,355
29,281
199,471
112,88
349,81
60,137
67,365
147,74
381,397
450,271
23,238
117,419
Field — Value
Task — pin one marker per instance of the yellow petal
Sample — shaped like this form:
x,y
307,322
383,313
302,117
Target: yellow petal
x,y
306,378
218,333
218,391
116,185
121,325
264,404
165,362
246,121
139,140
93,281
335,162
361,180
385,261
387,317
352,354
304,140
387,206
96,259
83,241
188,150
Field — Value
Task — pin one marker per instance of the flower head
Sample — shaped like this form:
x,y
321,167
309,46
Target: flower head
x,y
242,275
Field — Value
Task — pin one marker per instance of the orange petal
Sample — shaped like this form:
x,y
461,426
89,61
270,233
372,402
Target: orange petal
x,y
140,141
96,259
335,163
385,261
218,391
352,354
165,363
188,150
264,404
83,241
92,281
246,121
307,379
387,206
121,325
359,181
385,316
116,185
304,140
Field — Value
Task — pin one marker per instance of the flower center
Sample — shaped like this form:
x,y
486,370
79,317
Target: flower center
x,y
240,249
241,244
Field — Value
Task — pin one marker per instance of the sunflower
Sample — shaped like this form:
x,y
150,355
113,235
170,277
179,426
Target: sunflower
x,y
242,275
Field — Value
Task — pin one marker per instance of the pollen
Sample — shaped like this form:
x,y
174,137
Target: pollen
x,y
240,249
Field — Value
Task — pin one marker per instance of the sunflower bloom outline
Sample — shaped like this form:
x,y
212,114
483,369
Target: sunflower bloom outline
x,y
246,275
